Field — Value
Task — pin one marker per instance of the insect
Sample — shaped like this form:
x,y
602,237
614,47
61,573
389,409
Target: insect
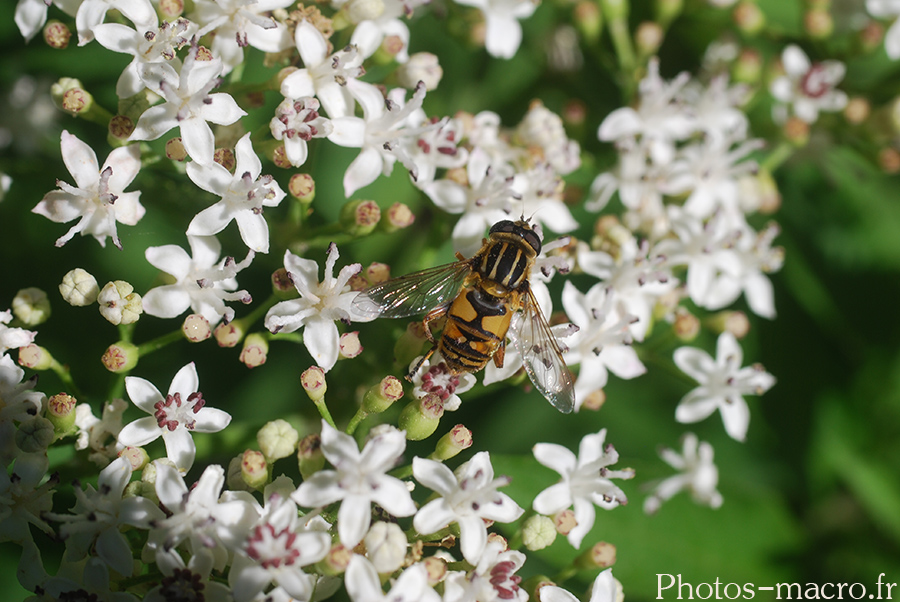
x,y
484,298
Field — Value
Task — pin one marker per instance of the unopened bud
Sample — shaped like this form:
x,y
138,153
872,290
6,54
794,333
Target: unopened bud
x,y
360,218
377,273
615,10
120,357
686,325
735,322
588,20
668,10
35,435
350,346
31,306
648,38
61,413
397,217
386,546
857,110
254,469
336,560
818,23
313,382
302,187
409,344
57,34
538,532
796,131
136,456
175,149
119,304
69,95
421,67
749,17
309,455
564,521
364,10
889,160
748,66
380,397
79,288
600,555
871,35
456,440
594,400
171,9
255,350
279,157
196,328
282,284
391,46
277,439
35,357
225,158
228,335
435,568
420,418
121,127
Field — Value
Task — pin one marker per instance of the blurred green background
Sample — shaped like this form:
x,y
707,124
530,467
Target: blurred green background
x,y
814,493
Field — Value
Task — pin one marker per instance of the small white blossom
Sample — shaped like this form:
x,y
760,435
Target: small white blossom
x,y
99,434
359,479
543,128
296,122
119,304
504,32
192,577
189,105
723,384
886,9
242,197
807,87
20,404
202,282
319,306
386,546
95,521
98,197
173,416
467,497
13,338
31,15
369,34
697,474
433,376
92,12
493,579
88,580
364,585
605,589
585,481
24,500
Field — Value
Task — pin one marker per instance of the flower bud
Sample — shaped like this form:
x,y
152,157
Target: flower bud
x,y
120,128
31,306
282,285
359,218
871,35
594,400
421,67
35,357
364,10
857,110
648,38
818,23
748,66
796,131
196,328
397,217
600,555
254,469
749,17
668,10
686,325
119,304
391,46
253,353
564,521
313,381
383,395
538,532
336,560
225,158
277,439
175,149
435,568
137,457
409,344
377,273
279,157
234,479
386,546
57,34
302,187
735,322
456,440
120,357
69,96
228,335
61,413
889,160
588,20
35,435
171,9
420,418
350,346
309,455
615,10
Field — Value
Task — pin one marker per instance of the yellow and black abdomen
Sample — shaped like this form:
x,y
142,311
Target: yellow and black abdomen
x,y
476,326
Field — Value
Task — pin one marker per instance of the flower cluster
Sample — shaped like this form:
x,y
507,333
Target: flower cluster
x,y
648,229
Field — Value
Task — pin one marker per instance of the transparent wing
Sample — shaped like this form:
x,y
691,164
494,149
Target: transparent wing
x,y
542,356
414,293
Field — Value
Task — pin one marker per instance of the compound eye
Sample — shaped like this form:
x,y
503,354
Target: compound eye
x,y
503,226
532,238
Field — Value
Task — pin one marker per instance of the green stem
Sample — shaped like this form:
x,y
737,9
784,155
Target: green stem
x,y
565,574
779,155
323,411
159,342
404,472
65,375
360,415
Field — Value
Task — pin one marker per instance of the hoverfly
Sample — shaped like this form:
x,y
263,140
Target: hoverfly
x,y
481,297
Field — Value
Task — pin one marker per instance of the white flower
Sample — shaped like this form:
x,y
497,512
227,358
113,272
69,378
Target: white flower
x,y
467,497
32,14
540,190
433,376
604,590
382,135
297,121
275,551
200,282
544,128
324,76
723,384
697,474
88,579
193,577
364,585
369,34
188,106
99,434
242,197
504,33
173,416
152,43
99,196
24,500
319,305
883,9
585,481
13,338
98,514
386,546
20,403
603,340
360,478
493,578
237,24
210,526
92,12
807,87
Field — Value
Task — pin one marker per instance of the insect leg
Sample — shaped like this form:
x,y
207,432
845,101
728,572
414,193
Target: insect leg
x,y
418,365
435,314
500,354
